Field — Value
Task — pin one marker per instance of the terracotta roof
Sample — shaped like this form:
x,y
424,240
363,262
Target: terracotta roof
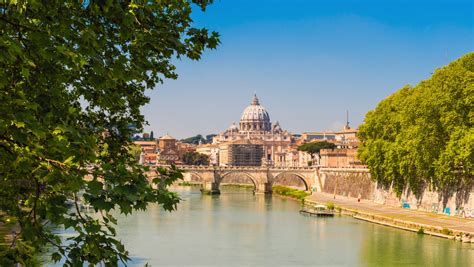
x,y
141,143
167,137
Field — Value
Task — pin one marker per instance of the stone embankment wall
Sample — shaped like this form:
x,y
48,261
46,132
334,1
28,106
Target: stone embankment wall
x,y
357,183
347,183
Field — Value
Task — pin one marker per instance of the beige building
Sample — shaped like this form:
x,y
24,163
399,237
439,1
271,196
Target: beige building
x,y
168,150
164,150
210,150
340,158
344,155
241,153
317,136
295,158
255,127
184,148
148,154
146,146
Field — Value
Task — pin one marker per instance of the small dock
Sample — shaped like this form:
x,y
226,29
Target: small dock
x,y
322,213
318,210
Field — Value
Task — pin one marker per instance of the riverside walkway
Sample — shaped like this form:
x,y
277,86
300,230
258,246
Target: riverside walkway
x,y
408,219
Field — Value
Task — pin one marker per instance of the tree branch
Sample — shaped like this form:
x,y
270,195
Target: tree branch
x,y
77,209
2,18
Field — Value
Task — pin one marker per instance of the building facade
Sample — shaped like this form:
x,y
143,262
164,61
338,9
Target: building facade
x,y
241,153
211,150
345,154
164,150
168,150
148,152
255,127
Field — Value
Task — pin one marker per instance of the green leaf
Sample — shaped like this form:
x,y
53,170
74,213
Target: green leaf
x,y
95,187
73,80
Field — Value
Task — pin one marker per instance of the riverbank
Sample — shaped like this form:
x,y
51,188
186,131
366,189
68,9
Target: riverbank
x,y
439,225
185,183
289,192
247,186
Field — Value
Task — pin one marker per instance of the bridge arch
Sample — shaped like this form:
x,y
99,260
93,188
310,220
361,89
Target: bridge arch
x,y
254,181
307,184
196,174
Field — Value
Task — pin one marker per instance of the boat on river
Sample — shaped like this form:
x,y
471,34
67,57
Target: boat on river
x,y
317,210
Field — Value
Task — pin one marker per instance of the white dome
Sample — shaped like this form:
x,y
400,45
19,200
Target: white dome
x,y
255,117
255,113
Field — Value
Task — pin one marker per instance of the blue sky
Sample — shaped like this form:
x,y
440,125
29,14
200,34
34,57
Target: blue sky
x,y
308,61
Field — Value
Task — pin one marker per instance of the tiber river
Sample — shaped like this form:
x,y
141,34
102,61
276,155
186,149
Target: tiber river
x,y
238,228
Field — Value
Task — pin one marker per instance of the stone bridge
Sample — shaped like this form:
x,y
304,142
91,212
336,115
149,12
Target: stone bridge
x,y
263,178
340,181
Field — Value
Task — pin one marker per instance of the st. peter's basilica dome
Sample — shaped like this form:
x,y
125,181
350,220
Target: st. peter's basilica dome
x,y
255,118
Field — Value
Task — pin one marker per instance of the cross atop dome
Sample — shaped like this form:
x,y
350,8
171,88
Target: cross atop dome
x,y
255,100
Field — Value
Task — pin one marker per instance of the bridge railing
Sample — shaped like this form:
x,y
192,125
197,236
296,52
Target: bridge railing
x,y
250,168
350,169
244,167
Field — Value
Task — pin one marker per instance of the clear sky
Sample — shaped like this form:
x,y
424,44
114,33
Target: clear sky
x,y
308,61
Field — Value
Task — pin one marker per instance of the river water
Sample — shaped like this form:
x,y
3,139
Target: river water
x,y
238,228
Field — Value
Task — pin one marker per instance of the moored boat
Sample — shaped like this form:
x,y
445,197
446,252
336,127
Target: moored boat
x,y
317,210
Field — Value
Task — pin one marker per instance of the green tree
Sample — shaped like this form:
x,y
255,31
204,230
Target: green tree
x,y
195,140
314,148
195,158
423,136
72,80
135,151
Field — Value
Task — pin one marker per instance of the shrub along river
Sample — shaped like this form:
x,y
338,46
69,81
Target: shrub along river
x,y
238,228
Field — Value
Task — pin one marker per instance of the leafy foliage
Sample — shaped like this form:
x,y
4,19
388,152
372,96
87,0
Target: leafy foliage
x,y
135,150
209,138
198,139
195,140
314,148
424,135
289,192
330,205
194,158
73,79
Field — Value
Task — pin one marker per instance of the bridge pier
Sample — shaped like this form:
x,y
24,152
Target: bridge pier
x,y
264,188
210,188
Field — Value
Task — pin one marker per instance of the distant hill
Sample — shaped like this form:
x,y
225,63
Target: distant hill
x,y
199,139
